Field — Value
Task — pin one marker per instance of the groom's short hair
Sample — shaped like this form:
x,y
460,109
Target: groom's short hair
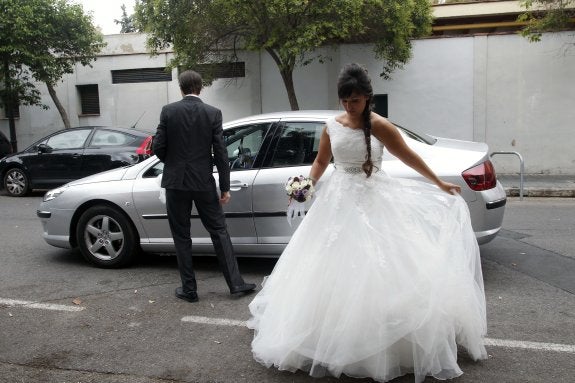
x,y
190,82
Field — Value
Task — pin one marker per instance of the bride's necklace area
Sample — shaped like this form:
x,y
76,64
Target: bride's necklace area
x,y
353,125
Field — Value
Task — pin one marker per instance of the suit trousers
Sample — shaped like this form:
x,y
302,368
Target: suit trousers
x,y
179,204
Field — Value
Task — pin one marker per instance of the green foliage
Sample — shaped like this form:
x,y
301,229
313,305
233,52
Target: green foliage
x,y
43,40
546,16
203,31
126,22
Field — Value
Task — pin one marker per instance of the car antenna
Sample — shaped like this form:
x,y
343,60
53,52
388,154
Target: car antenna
x,y
138,120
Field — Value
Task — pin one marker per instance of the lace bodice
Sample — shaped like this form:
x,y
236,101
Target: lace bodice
x,y
348,145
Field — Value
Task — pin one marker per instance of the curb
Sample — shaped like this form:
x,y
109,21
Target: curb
x,y
534,192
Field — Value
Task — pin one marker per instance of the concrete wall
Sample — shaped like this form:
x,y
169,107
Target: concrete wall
x,y
501,89
530,101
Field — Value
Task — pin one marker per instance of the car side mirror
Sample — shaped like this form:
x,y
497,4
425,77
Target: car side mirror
x,y
43,148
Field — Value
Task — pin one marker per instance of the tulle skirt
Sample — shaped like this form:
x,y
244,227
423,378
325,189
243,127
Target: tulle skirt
x,y
382,278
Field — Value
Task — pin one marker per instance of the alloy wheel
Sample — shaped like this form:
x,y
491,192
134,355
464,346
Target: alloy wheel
x,y
16,182
103,237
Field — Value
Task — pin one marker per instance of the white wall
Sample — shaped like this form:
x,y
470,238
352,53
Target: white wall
x,y
313,84
501,89
530,101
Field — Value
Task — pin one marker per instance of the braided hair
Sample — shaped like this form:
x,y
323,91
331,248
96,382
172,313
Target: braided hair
x,y
354,78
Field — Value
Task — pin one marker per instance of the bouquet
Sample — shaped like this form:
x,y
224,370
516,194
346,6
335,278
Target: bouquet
x,y
299,189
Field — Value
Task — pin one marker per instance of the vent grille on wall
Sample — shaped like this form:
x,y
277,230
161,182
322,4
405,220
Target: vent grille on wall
x,y
128,76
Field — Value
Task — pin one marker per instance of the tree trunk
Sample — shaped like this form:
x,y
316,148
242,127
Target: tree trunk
x,y
287,76
9,107
286,72
59,105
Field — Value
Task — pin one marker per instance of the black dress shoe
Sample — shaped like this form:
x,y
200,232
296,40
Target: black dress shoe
x,y
245,288
190,297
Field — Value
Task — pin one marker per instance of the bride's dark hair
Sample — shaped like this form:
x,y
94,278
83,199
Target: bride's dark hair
x,y
354,78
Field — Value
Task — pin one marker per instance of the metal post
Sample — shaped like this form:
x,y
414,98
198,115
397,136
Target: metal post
x,y
521,169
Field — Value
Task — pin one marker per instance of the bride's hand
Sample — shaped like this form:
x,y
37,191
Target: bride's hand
x,y
449,187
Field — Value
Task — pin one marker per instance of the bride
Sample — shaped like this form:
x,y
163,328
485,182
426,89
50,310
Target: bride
x,y
383,276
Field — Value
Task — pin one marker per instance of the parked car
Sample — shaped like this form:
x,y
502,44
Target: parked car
x,y
111,216
5,146
70,154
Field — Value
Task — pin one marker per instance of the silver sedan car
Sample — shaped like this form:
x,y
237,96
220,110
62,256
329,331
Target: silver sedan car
x,y
114,215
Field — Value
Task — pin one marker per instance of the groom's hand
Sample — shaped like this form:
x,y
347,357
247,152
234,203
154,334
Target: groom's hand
x,y
225,198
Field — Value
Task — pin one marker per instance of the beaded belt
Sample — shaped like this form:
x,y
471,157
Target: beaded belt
x,y
353,169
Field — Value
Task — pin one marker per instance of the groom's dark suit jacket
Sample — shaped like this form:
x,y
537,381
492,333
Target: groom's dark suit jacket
x,y
188,132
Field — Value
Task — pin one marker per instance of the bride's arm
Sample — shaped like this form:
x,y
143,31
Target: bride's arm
x,y
387,133
323,157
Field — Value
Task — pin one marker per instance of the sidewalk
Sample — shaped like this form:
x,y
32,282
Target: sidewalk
x,y
539,185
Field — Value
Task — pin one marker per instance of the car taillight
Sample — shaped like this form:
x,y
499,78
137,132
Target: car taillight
x,y
146,147
480,177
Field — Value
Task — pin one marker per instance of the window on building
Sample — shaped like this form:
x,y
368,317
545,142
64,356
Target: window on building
x,y
128,76
89,99
380,104
222,70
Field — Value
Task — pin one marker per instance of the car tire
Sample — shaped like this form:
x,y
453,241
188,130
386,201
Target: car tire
x,y
106,237
16,182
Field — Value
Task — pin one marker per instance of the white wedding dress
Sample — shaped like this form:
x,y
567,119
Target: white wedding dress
x,y
382,278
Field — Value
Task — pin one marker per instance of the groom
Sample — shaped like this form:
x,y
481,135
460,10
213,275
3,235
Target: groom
x,y
188,132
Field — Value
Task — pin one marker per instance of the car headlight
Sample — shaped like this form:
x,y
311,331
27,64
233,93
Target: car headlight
x,y
51,194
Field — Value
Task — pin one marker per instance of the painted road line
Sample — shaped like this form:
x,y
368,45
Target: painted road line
x,y
505,343
216,321
36,305
557,347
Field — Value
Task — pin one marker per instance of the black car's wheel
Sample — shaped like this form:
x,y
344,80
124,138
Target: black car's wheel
x,y
16,182
106,237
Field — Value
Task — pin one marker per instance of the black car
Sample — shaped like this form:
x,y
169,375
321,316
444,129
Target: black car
x,y
70,154
5,146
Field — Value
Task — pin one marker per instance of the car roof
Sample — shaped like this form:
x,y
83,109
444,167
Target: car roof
x,y
291,114
132,131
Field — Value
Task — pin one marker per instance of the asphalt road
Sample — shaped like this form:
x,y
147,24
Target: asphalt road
x,y
62,320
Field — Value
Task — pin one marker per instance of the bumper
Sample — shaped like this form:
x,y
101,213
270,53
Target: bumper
x,y
487,213
56,226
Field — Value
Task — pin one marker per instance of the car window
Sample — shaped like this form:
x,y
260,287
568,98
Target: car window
x,y
104,137
69,140
154,171
243,144
298,144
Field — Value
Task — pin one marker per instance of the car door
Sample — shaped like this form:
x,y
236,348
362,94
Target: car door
x,y
246,148
243,144
293,149
58,159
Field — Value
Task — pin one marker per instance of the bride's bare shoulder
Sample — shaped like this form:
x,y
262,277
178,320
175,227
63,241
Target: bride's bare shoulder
x,y
380,124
